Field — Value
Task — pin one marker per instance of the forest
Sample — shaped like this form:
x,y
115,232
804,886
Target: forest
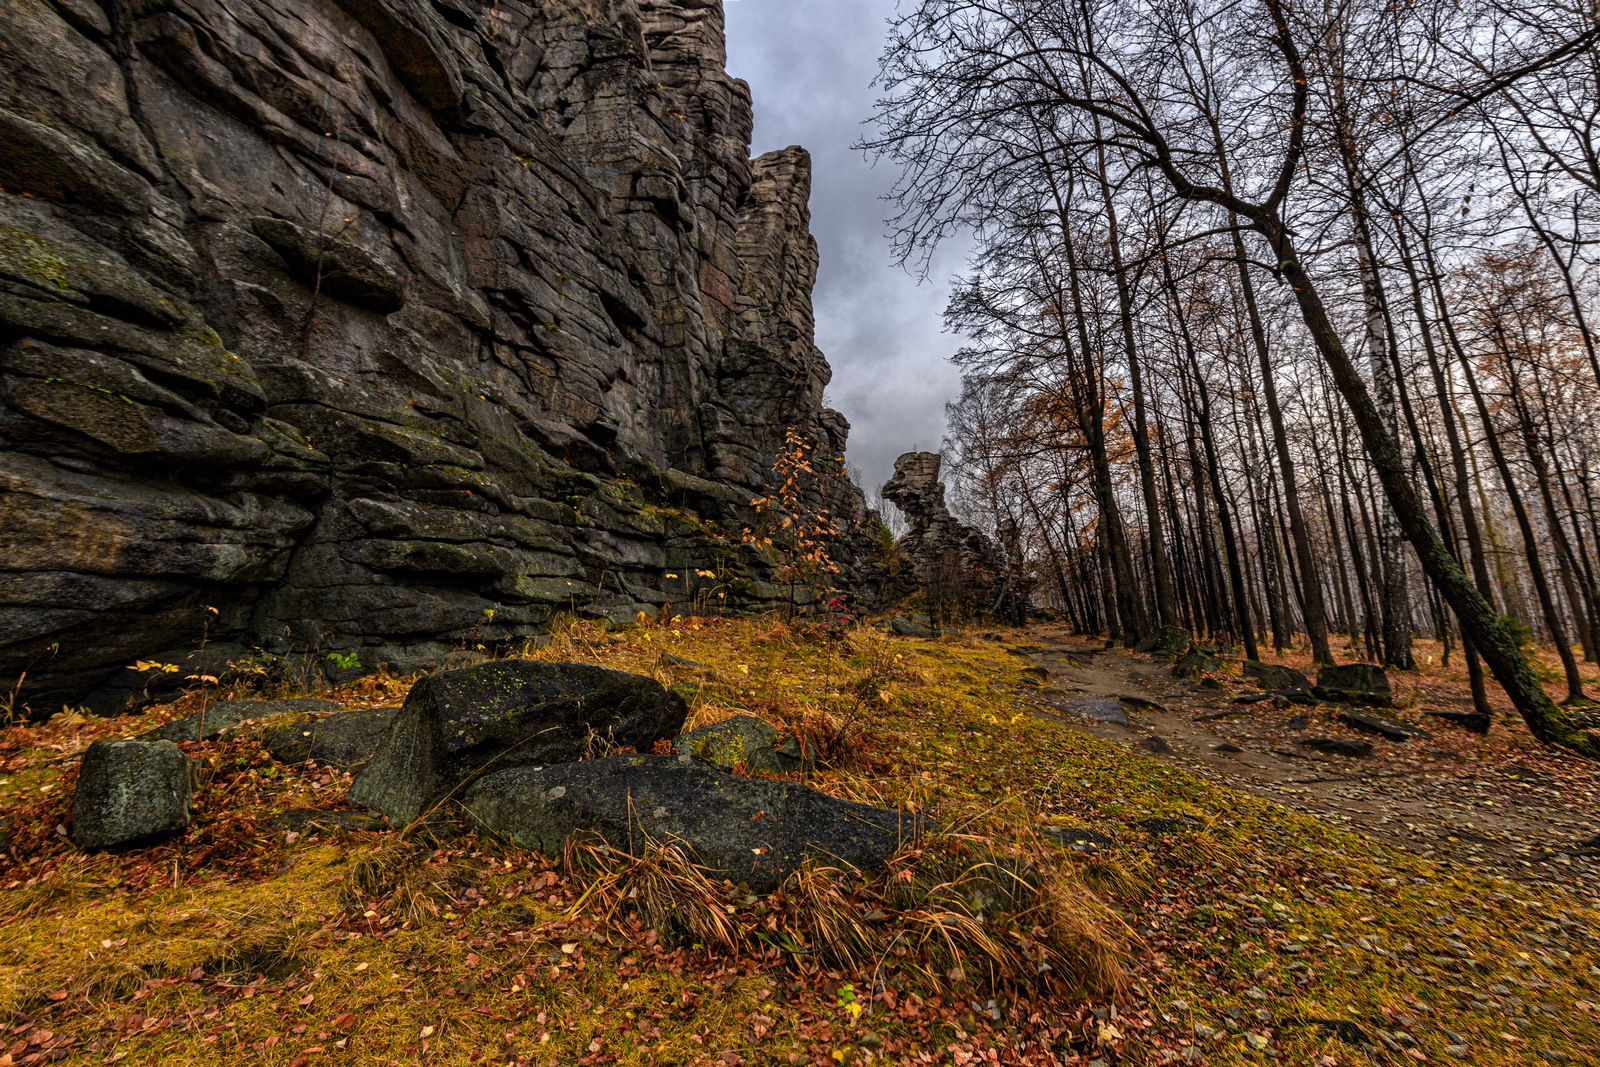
x,y
1280,316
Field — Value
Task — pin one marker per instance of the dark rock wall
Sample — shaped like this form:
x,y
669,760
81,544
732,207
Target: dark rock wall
x,y
963,573
381,325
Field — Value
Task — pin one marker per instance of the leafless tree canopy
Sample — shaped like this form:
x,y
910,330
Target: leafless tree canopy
x,y
1279,314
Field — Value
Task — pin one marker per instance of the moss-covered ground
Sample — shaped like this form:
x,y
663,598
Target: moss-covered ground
x,y
1259,935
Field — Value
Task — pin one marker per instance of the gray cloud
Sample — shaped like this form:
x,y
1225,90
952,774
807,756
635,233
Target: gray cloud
x,y
810,64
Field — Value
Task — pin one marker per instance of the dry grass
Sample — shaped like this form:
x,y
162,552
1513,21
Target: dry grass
x,y
662,886
475,941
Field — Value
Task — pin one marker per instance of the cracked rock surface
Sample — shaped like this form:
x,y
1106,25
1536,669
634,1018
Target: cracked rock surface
x,y
383,327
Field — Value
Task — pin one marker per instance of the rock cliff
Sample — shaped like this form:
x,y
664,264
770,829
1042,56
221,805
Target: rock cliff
x,y
963,573
382,327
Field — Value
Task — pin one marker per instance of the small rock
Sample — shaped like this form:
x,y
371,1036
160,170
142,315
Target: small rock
x,y
1256,1042
1227,748
745,739
1459,1052
1340,1029
1157,745
1133,700
1338,746
1297,722
130,791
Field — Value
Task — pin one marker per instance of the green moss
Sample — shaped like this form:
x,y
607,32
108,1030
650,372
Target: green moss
x,y
31,258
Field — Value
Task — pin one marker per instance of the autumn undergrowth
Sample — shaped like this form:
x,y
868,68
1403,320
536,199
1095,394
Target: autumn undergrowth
x,y
1078,902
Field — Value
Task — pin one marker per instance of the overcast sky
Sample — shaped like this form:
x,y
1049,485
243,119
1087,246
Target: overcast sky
x,y
810,65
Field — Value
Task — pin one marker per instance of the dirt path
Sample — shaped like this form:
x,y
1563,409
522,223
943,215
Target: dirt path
x,y
1503,804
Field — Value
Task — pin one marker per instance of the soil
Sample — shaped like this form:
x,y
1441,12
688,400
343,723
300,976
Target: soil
x,y
1503,804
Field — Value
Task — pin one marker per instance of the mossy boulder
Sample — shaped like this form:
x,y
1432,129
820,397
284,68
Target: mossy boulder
x,y
747,740
1273,676
509,713
753,831
1170,639
1195,663
131,791
1354,683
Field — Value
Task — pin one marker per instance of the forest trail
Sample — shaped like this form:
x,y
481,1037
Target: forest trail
x,y
1501,804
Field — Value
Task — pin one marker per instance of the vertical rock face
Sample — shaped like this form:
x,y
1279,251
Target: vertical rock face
x,y
961,570
381,325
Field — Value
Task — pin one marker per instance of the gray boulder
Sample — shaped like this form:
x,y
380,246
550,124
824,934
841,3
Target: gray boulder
x,y
1354,683
345,739
906,628
509,713
130,791
746,830
1273,676
223,716
746,739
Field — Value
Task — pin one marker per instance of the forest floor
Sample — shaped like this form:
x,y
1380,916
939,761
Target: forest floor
x,y
1500,803
1272,908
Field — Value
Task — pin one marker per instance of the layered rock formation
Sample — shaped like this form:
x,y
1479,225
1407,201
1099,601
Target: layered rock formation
x,y
381,326
963,573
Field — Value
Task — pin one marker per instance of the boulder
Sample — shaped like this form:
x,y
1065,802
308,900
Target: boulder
x,y
129,791
1195,663
746,830
345,739
1273,676
1354,683
906,628
745,739
224,715
509,713
1170,639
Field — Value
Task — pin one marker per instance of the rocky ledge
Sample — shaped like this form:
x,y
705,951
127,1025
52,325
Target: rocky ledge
x,y
380,327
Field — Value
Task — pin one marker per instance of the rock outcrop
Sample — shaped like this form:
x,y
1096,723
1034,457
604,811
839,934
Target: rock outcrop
x,y
382,327
961,570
